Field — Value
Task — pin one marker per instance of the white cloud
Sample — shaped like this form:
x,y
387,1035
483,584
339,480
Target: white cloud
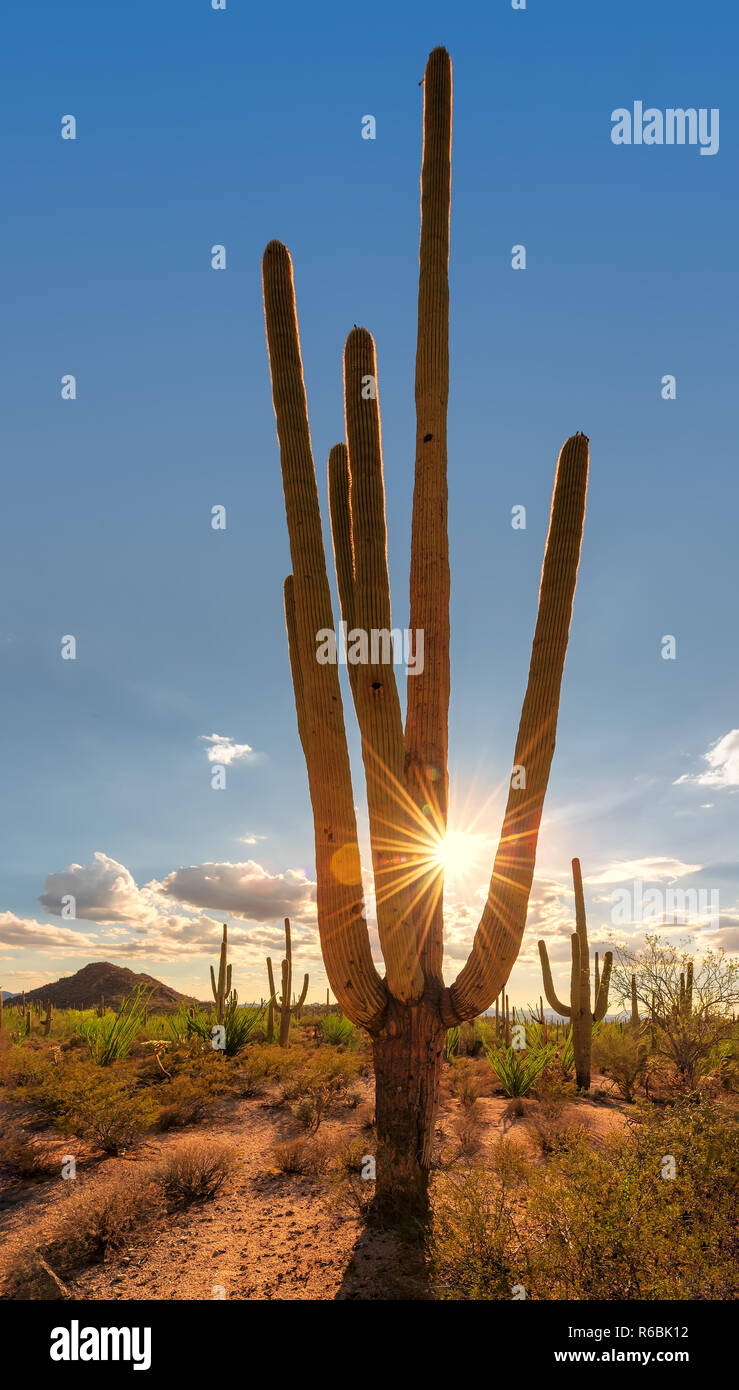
x,y
657,869
223,749
723,764
24,932
243,890
104,891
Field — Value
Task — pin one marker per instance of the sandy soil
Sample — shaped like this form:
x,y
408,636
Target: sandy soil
x,y
266,1235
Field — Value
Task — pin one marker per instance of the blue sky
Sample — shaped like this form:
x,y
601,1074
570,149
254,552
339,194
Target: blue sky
x,y
197,127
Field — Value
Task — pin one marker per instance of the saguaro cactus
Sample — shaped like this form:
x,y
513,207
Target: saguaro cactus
x,y
408,1011
222,988
284,1008
48,1020
634,1006
686,991
578,1010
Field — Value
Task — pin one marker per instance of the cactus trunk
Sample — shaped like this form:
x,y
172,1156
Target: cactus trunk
x,y
407,1060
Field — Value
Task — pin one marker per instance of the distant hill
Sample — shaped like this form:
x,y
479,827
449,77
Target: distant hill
x,y
112,982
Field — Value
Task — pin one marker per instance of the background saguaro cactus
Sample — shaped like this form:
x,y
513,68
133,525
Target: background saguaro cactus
x,y
285,1008
578,1010
634,1005
221,988
409,1011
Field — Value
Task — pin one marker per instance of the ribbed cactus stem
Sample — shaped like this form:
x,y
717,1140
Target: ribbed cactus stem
x,y
634,1005
579,1008
285,1008
221,988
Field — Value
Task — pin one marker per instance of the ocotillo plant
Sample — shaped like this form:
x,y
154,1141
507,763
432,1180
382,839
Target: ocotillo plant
x,y
408,1012
221,988
284,1008
578,1010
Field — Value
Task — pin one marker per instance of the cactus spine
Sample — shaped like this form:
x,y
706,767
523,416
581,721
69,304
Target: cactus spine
x,y
222,988
578,1010
408,1011
284,1008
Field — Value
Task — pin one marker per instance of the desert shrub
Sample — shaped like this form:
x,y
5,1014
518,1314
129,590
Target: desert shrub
x,y
474,1246
602,1224
23,1067
24,1156
95,1104
324,1075
365,1116
612,1225
519,1071
252,1076
114,1122
475,1036
463,1083
94,1225
550,1130
467,1128
298,1156
184,1100
336,1028
194,1171
308,1111
622,1056
553,1084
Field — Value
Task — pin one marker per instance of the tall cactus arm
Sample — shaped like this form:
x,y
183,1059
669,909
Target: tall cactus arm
x,y
303,992
426,727
581,928
498,937
343,929
596,976
213,984
601,1002
552,1000
340,514
292,647
373,686
228,979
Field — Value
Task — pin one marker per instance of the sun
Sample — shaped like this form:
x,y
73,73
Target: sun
x,y
459,852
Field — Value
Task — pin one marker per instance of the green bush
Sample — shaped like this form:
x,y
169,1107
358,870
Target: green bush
x,y
608,1223
336,1029
519,1071
622,1056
